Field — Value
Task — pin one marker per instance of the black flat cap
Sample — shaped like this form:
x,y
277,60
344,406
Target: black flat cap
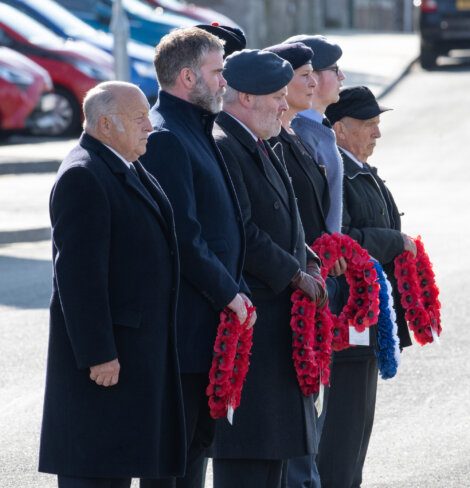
x,y
357,102
296,53
325,53
234,38
257,72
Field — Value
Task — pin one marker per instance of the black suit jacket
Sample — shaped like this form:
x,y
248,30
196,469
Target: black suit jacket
x,y
182,155
115,283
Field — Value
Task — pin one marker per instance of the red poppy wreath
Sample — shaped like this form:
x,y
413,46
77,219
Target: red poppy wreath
x,y
229,364
419,294
317,331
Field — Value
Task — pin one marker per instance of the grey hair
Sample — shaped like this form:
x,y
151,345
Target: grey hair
x,y
230,95
183,48
101,100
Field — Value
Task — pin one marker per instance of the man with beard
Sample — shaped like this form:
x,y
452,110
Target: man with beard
x,y
182,154
274,421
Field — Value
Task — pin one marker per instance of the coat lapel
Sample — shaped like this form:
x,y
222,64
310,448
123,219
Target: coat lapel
x,y
120,169
302,160
229,124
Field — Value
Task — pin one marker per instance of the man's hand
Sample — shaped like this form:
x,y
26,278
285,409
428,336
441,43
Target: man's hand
x,y
253,315
314,271
409,244
238,306
338,268
106,374
313,287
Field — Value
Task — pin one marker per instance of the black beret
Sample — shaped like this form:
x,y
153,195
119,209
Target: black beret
x,y
257,72
296,53
357,102
325,53
234,38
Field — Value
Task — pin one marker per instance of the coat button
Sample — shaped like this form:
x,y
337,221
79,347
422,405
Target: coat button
x,y
277,205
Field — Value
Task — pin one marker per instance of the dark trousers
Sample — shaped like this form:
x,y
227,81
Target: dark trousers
x,y
348,423
247,473
200,428
302,472
71,482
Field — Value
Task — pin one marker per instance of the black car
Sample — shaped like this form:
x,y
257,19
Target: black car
x,y
444,26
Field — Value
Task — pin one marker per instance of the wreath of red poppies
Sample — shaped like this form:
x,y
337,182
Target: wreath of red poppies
x,y
230,363
311,343
419,294
317,331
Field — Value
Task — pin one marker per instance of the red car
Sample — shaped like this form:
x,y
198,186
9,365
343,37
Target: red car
x,y
23,85
74,66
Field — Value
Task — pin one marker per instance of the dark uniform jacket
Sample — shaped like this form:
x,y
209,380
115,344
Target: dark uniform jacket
x,y
115,282
182,155
371,217
274,420
309,182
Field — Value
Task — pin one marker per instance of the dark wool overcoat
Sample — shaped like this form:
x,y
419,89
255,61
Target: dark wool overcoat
x,y
115,282
274,420
182,155
371,217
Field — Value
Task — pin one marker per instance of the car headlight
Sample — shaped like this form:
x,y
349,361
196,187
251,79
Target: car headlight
x,y
19,78
94,71
145,70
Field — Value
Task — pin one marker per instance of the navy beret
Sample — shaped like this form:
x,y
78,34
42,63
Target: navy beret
x,y
234,38
357,102
325,53
257,72
296,53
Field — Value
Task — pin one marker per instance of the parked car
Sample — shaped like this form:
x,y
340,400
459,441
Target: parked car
x,y
203,15
74,66
25,93
444,26
147,25
56,18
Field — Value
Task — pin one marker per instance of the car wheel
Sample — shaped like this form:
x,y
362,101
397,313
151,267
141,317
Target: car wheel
x,y
66,114
428,56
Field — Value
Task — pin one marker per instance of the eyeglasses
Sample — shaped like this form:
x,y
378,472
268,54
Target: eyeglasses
x,y
334,68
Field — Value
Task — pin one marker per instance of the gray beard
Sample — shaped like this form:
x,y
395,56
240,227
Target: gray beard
x,y
202,97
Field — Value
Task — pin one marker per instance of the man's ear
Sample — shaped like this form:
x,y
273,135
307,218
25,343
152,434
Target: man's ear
x,y
104,124
339,129
246,100
187,78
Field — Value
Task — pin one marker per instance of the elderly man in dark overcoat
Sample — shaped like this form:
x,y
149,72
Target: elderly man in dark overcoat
x,y
274,421
182,154
113,404
371,217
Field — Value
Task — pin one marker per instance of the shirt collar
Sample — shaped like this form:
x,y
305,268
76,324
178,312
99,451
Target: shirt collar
x,y
255,137
353,158
124,160
312,114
